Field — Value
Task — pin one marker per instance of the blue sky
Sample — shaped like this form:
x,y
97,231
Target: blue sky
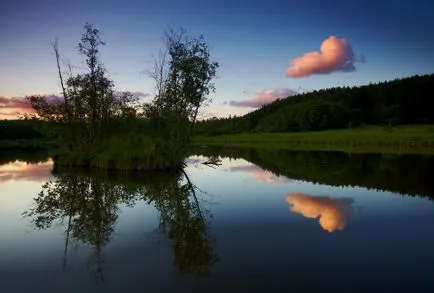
x,y
254,42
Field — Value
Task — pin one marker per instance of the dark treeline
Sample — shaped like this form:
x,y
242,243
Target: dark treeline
x,y
401,101
404,174
33,129
28,155
23,129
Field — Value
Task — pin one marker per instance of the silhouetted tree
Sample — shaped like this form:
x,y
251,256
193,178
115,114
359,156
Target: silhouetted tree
x,y
89,103
184,75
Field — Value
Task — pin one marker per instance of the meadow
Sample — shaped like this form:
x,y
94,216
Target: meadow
x,y
405,139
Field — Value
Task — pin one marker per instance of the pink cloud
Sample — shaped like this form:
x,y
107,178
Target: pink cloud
x,y
264,97
334,55
10,108
262,175
137,94
14,104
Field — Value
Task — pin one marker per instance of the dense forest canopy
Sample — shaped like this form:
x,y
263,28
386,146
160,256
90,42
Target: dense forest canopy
x,y
401,101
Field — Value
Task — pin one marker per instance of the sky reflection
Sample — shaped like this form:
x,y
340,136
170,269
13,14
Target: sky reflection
x,y
261,175
22,171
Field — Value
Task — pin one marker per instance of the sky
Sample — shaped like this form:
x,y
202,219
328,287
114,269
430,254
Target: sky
x,y
266,49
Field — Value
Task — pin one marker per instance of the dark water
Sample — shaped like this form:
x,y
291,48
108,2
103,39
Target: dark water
x,y
262,221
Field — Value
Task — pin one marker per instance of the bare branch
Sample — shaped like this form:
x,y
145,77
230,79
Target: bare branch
x,y
56,52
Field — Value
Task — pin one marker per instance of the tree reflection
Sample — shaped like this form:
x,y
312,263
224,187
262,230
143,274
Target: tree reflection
x,y
88,205
404,174
183,221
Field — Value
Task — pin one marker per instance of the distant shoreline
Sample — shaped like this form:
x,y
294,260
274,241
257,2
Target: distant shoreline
x,y
411,139
404,139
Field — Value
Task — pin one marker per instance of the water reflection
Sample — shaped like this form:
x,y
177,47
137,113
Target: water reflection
x,y
88,205
405,174
23,171
333,214
87,215
261,175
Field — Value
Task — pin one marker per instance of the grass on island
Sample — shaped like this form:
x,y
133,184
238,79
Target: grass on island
x,y
135,153
413,139
128,153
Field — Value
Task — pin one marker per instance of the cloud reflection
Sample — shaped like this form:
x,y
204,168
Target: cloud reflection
x,y
333,214
22,171
262,175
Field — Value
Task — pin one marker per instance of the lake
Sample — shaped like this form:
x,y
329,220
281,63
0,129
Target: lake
x,y
251,221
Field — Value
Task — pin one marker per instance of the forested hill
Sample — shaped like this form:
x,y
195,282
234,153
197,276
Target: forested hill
x,y
401,101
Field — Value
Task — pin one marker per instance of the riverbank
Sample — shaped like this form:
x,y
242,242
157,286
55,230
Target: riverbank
x,y
413,139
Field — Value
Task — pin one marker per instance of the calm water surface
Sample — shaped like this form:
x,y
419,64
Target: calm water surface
x,y
237,227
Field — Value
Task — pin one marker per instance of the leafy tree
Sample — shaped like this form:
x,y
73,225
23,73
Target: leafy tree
x,y
184,75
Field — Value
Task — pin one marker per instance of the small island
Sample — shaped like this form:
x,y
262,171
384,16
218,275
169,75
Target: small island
x,y
93,125
96,126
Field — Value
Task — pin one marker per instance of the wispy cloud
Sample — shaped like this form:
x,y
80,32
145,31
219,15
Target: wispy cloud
x,y
262,175
140,94
333,214
263,97
137,94
12,107
334,55
14,103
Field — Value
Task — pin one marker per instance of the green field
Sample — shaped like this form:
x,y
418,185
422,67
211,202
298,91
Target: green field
x,y
414,139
